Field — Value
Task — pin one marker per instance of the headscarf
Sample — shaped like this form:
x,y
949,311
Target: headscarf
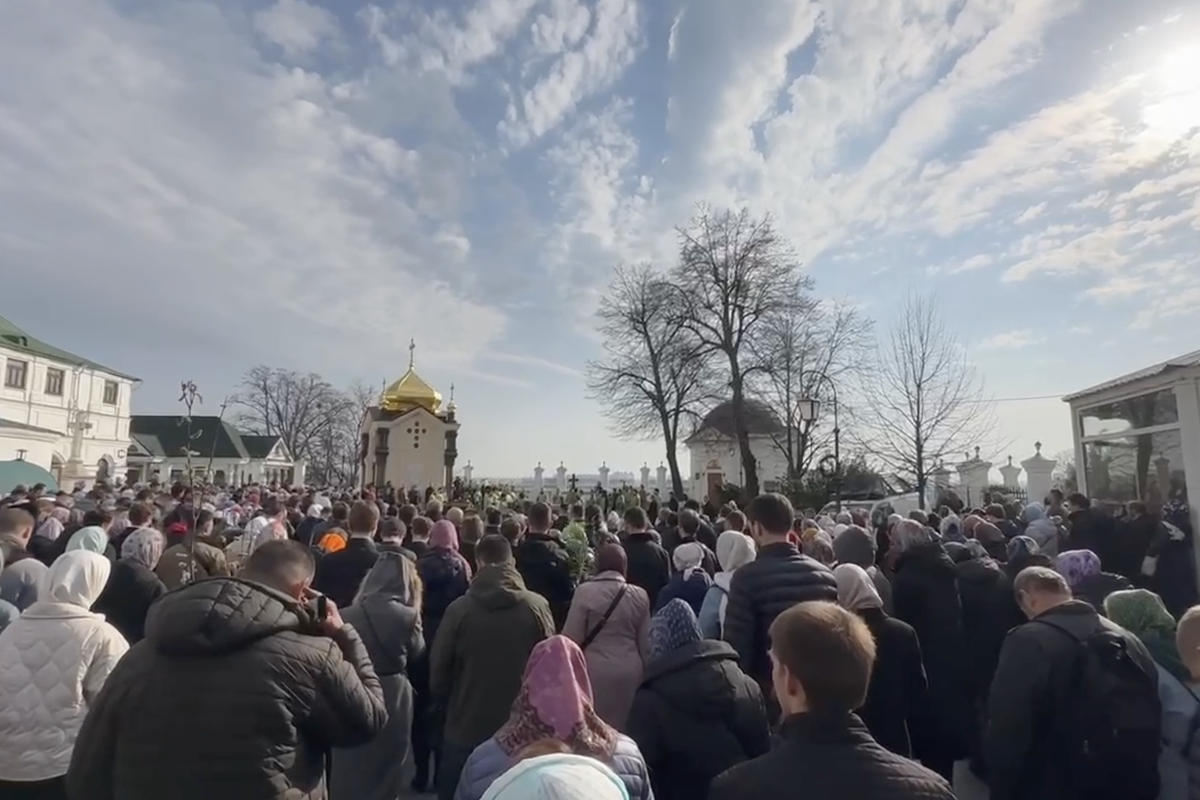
x,y
444,536
987,533
969,524
144,546
611,558
555,702
76,578
909,533
734,549
844,518
856,590
1143,614
951,529
92,538
687,558
1032,513
387,578
52,526
855,546
1075,565
561,776
819,548
1021,547
673,626
314,512
975,549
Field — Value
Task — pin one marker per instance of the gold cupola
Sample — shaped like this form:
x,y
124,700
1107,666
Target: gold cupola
x,y
410,391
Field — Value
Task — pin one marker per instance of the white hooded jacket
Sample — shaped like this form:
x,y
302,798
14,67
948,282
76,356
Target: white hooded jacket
x,y
53,661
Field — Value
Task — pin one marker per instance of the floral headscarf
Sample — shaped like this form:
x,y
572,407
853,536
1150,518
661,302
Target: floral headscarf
x,y
1020,547
673,626
1143,614
1075,565
92,538
556,703
144,546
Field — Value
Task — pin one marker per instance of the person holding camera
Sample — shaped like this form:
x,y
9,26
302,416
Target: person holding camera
x,y
241,688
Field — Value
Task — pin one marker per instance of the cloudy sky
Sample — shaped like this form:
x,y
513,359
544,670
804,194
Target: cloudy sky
x,y
190,188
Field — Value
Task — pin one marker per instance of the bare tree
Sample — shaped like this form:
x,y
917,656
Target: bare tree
x,y
801,351
736,274
925,401
652,376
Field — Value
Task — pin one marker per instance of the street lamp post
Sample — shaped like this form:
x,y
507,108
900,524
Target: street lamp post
x,y
809,409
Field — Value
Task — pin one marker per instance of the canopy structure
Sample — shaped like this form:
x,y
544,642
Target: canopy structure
x,y
24,473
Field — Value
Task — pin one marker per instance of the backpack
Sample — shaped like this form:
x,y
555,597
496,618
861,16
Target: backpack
x,y
1112,721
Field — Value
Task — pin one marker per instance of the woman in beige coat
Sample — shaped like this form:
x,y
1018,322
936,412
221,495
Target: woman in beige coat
x,y
610,620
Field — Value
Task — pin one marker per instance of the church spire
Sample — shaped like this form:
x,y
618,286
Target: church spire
x,y
412,351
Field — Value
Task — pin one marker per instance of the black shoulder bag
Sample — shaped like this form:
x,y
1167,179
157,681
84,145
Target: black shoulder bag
x,y
594,632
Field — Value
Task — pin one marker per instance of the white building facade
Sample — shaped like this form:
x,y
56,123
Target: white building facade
x,y
716,460
60,411
221,454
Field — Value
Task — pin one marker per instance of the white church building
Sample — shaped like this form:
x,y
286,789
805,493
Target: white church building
x,y
716,459
61,412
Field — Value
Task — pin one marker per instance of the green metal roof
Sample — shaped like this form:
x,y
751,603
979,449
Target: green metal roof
x,y
23,473
168,434
14,337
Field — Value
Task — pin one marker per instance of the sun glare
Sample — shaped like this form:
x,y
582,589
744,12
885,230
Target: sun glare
x,y
1173,104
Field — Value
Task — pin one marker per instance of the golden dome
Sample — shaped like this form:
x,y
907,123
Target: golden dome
x,y
410,391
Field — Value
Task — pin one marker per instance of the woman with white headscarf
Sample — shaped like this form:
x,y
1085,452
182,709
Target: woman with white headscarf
x,y
133,585
898,690
387,614
689,582
54,660
734,550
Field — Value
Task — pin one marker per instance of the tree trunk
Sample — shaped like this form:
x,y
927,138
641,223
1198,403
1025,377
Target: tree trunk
x,y
749,466
676,477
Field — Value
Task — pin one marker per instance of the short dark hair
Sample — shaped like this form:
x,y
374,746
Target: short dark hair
x,y
421,526
472,529
340,512
736,521
493,550
1079,500
364,517
15,520
539,516
141,514
392,528
689,521
280,563
271,506
635,517
829,650
772,511
407,513
510,529
996,511
97,516
1136,507
494,517
577,510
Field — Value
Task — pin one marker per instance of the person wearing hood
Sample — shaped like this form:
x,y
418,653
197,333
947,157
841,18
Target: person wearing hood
x,y
697,713
54,660
94,539
274,680
925,592
479,656
133,585
856,546
1043,530
554,708
1088,581
690,582
898,693
734,550
609,619
387,612
558,776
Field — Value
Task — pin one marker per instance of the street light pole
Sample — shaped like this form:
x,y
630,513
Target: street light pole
x,y
808,413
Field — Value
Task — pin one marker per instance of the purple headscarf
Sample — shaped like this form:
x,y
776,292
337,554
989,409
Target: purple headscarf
x,y
1076,565
444,536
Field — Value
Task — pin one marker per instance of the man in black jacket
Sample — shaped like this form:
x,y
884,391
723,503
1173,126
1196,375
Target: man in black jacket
x,y
545,565
649,564
340,574
238,690
1030,708
778,579
822,656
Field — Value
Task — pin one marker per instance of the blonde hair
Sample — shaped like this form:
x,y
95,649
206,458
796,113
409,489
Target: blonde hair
x,y
1187,640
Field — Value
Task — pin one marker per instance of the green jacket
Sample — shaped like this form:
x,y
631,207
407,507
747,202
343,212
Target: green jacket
x,y
480,651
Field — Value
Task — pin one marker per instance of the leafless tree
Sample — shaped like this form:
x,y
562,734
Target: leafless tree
x,y
799,349
925,401
734,276
652,376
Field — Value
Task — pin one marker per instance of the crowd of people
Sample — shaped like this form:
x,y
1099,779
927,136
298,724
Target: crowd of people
x,y
286,644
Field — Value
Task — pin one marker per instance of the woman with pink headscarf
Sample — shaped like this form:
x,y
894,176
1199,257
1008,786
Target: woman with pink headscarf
x,y
555,704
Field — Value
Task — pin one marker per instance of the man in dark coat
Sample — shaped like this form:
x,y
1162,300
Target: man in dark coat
x,y
545,565
823,657
1030,708
479,656
649,563
340,574
238,690
778,579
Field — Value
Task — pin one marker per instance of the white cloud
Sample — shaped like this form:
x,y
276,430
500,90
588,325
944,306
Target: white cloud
x,y
296,26
1012,340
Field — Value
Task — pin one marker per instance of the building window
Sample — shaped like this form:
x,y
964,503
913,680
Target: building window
x,y
1147,467
14,374
55,378
1117,419
111,391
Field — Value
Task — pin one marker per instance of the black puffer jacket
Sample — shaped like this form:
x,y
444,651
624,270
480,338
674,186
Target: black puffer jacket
x,y
131,590
445,580
232,693
649,564
829,757
545,567
778,579
695,716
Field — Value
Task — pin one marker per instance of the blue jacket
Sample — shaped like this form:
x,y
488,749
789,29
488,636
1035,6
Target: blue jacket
x,y
1175,766
710,612
489,762
691,591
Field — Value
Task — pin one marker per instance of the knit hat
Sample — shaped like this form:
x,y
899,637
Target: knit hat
x,y
558,777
